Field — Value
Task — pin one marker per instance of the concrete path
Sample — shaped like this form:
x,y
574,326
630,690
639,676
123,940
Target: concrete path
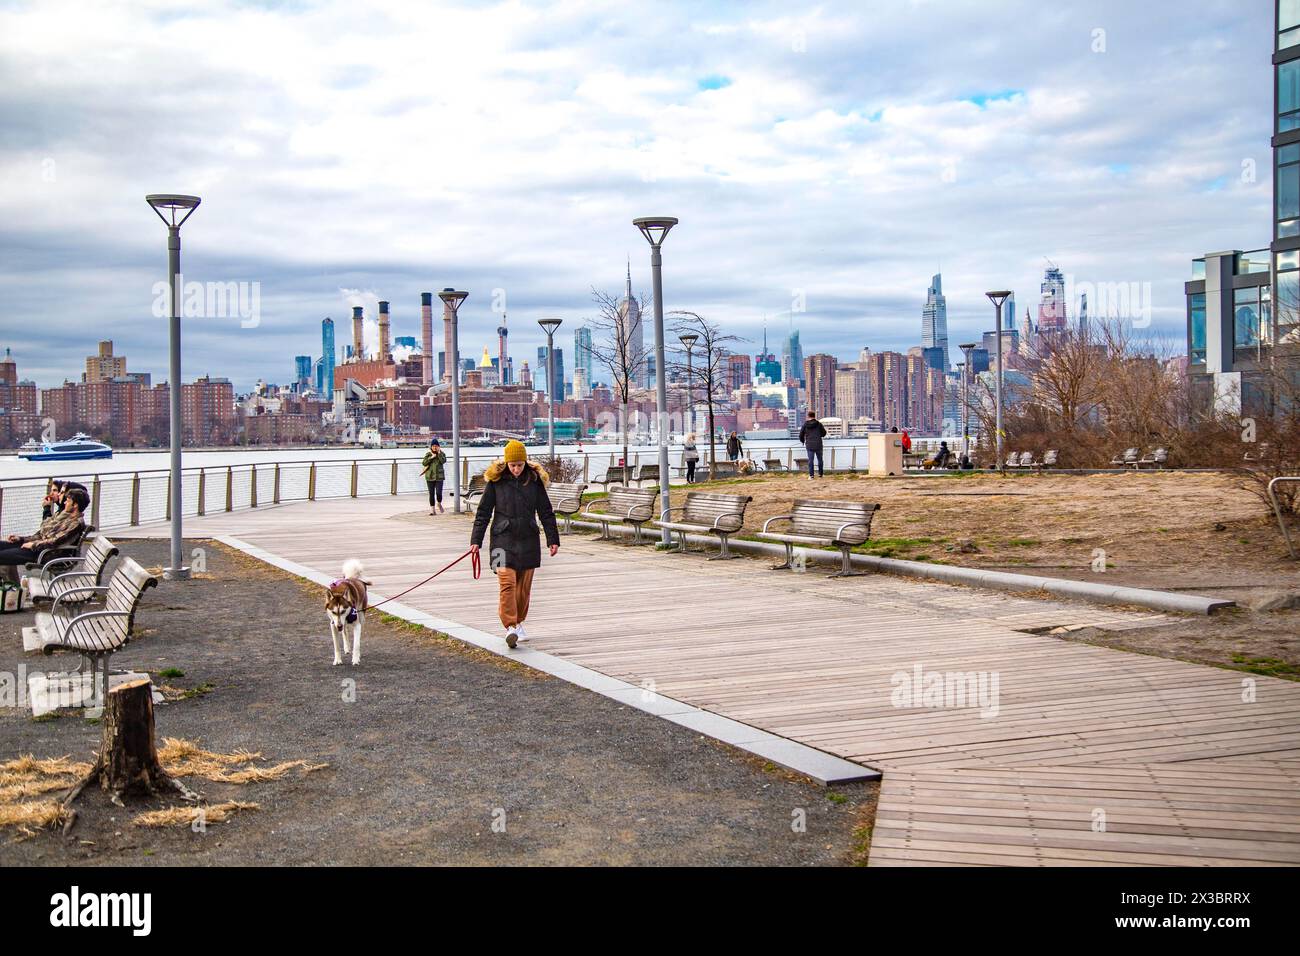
x,y
998,746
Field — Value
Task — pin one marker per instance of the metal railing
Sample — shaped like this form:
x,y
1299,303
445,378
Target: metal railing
x,y
128,498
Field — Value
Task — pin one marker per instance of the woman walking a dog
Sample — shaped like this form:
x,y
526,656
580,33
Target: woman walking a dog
x,y
514,501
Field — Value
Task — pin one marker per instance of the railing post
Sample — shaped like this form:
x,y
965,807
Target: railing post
x,y
135,499
354,477
832,457
275,485
203,493
94,502
464,472
252,484
230,488
393,488
311,483
2,506
853,462
586,463
789,459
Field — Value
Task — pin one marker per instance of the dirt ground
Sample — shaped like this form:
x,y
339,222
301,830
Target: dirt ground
x,y
1199,533
440,742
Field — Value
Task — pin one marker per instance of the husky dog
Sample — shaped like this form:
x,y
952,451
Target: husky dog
x,y
345,605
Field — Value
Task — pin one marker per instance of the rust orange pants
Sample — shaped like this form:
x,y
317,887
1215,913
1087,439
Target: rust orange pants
x,y
512,603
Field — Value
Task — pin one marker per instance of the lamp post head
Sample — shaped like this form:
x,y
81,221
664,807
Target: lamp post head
x,y
689,340
997,298
549,325
655,228
966,347
452,298
171,205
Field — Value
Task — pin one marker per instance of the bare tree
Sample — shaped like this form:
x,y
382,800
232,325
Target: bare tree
x,y
707,369
614,347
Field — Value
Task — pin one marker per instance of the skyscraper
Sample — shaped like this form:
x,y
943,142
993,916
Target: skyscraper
x,y
325,384
540,381
934,319
1051,305
766,363
632,331
302,371
582,357
503,356
792,359
819,373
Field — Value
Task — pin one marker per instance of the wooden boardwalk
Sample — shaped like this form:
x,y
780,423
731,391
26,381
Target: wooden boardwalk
x,y
1085,755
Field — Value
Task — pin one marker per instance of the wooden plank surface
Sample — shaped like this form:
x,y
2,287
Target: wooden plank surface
x,y
1187,764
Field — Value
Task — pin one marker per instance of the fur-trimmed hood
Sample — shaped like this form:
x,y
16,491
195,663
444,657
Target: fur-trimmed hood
x,y
494,471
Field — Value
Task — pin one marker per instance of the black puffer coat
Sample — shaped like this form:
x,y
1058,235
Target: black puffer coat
x,y
513,506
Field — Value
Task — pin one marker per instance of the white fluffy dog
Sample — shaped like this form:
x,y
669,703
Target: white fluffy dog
x,y
345,605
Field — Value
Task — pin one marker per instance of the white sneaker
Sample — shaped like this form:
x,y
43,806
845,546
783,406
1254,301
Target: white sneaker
x,y
512,638
523,635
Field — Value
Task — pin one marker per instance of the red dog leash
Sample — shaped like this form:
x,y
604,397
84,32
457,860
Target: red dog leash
x,y
476,568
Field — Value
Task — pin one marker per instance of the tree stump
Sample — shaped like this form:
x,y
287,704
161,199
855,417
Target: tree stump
x,y
127,765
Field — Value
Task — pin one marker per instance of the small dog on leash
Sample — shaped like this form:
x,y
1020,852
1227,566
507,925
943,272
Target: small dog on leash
x,y
345,605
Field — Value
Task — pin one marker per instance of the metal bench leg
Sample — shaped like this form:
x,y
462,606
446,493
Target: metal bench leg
x,y
846,566
725,553
568,524
789,558
681,546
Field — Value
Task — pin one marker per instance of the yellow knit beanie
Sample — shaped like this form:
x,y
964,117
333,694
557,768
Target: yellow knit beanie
x,y
515,451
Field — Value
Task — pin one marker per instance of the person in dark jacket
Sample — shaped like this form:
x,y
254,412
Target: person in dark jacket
x,y
434,469
61,528
811,434
734,448
514,501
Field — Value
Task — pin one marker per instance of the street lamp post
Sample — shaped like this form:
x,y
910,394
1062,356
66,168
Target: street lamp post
x,y
655,229
549,326
689,339
452,300
997,298
968,369
169,207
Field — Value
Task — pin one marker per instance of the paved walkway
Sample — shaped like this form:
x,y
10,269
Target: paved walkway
x,y
1079,754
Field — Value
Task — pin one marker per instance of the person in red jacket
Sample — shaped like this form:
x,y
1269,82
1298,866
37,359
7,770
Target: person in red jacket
x,y
907,442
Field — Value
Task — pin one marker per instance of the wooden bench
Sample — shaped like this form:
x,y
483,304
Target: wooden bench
x,y
647,473
477,486
63,574
774,464
1128,459
97,634
1156,458
722,469
566,500
707,512
615,475
823,524
633,506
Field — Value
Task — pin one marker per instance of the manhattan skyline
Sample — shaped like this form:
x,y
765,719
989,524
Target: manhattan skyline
x,y
516,159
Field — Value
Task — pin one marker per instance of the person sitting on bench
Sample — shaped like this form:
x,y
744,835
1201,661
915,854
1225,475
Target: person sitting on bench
x,y
63,526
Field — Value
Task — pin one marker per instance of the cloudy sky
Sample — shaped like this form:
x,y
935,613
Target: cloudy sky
x,y
836,153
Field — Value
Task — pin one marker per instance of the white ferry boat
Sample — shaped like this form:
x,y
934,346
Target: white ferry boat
x,y
76,448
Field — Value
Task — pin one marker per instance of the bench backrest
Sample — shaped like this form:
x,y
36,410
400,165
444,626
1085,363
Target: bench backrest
x,y
565,496
825,519
477,483
1160,454
1026,458
125,589
706,507
621,473
638,504
648,471
1050,457
98,554
1130,454
773,464
724,468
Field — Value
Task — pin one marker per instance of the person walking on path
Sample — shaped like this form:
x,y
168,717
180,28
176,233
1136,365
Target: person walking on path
x,y
513,502
690,455
434,470
811,434
734,448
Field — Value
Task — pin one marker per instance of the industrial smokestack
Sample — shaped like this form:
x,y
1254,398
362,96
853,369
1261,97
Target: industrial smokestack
x,y
503,374
385,354
426,335
358,338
